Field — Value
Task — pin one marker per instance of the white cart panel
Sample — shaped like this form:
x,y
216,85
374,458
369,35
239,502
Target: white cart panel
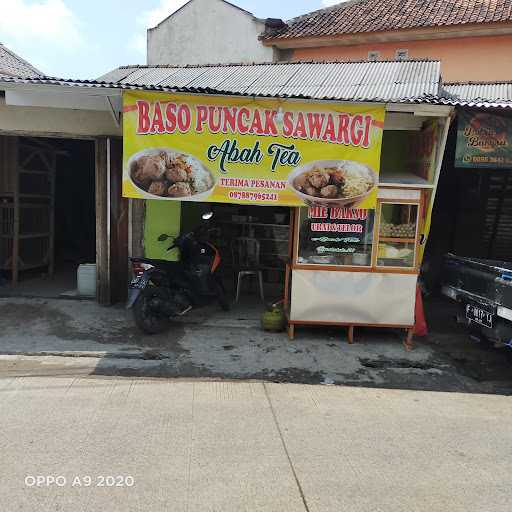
x,y
353,297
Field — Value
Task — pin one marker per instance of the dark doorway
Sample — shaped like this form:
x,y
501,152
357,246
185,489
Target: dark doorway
x,y
52,200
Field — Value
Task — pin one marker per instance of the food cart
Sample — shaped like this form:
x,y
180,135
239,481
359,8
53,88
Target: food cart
x,y
359,267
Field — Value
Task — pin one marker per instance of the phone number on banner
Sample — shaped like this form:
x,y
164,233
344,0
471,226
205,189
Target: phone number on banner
x,y
243,195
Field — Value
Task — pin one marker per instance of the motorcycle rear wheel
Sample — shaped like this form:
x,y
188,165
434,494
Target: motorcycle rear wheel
x,y
148,321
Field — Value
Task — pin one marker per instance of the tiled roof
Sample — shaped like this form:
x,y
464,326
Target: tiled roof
x,y
13,65
352,81
359,16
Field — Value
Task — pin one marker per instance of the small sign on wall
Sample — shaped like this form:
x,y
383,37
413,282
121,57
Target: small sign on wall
x,y
483,141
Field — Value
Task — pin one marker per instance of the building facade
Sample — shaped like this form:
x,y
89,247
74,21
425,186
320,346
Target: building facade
x,y
206,32
472,39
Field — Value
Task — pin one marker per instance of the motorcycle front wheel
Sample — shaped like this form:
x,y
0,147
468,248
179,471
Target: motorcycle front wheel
x,y
146,318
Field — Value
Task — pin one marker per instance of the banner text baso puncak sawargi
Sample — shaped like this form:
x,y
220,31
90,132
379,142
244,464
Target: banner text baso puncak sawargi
x,y
255,151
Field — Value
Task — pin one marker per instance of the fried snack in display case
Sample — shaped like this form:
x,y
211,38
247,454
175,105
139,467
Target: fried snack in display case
x,y
398,231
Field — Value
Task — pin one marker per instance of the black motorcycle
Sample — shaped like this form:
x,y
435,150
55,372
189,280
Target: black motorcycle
x,y
161,290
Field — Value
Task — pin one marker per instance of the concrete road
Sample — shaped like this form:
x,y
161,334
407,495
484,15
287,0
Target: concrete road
x,y
221,446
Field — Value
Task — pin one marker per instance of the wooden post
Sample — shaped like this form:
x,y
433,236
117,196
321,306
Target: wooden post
x,y
291,331
118,225
137,219
351,334
102,238
409,343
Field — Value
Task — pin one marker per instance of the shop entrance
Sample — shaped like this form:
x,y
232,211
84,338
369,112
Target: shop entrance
x,y
250,239
48,220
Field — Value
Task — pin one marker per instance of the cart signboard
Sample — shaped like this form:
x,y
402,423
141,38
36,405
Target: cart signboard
x,y
483,141
335,236
224,149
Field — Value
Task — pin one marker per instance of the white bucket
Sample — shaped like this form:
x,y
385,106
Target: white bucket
x,y
86,280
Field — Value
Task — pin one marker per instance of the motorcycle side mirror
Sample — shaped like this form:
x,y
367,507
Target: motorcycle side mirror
x,y
163,238
207,215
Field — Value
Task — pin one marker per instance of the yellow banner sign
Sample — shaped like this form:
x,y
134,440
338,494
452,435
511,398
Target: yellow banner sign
x,y
256,151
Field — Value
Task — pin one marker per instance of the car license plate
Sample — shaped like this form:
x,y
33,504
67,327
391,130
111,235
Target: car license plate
x,y
479,316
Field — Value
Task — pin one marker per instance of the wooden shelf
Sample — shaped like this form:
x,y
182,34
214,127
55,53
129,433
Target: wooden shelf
x,y
28,213
402,179
397,240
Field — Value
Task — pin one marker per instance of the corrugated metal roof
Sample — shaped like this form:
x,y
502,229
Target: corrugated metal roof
x,y
481,90
382,81
13,65
479,94
357,81
416,81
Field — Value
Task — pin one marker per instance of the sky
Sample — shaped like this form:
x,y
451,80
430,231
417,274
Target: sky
x,y
87,38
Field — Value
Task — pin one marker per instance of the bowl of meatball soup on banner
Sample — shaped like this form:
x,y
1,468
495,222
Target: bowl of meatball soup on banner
x,y
169,174
333,183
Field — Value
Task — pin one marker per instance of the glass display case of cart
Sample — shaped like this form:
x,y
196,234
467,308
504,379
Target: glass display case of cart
x,y
385,239
398,234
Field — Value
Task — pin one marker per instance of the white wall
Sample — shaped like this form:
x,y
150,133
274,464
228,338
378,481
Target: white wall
x,y
207,32
47,121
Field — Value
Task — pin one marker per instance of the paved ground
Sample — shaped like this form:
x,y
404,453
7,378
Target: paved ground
x,y
232,446
67,337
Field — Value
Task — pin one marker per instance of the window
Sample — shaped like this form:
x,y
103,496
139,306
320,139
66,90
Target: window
x,y
397,235
373,55
402,54
335,236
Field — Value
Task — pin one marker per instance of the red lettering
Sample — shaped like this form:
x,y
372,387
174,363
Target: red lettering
x,y
288,124
170,114
343,135
330,132
315,124
242,120
157,126
270,123
202,116
300,127
256,126
214,125
357,130
229,115
144,121
184,118
367,130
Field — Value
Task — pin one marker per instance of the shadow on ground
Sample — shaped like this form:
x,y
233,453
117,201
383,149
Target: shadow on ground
x,y
65,336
